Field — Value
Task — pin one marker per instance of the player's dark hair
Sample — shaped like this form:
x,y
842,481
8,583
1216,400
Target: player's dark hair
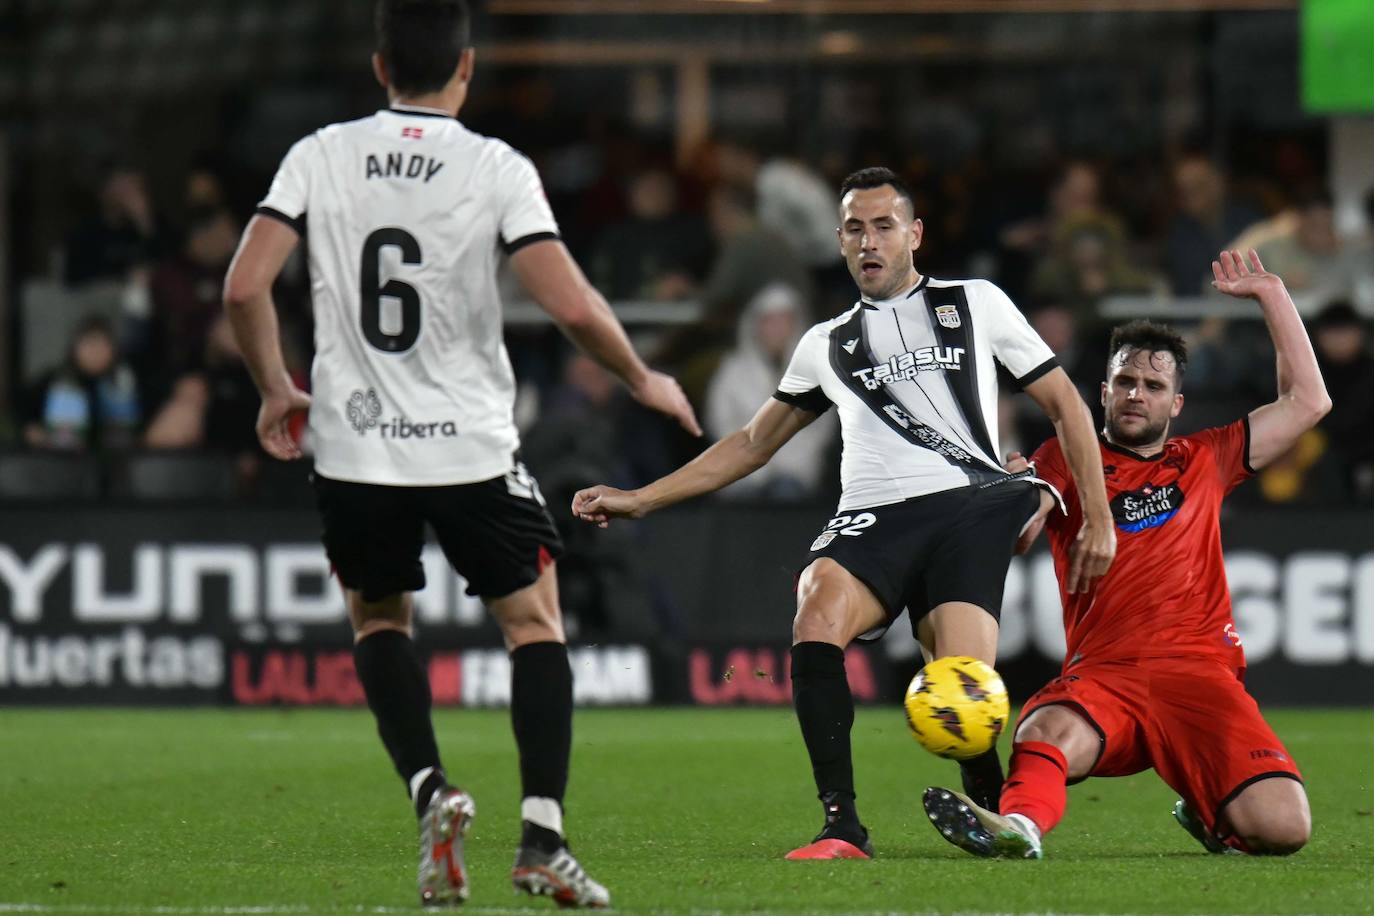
x,y
420,41
876,177
1143,334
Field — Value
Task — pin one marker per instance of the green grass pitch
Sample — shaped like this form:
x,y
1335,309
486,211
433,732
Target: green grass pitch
x,y
676,810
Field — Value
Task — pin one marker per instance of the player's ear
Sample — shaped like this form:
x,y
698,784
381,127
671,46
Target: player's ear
x,y
1103,398
379,69
1177,408
918,229
467,61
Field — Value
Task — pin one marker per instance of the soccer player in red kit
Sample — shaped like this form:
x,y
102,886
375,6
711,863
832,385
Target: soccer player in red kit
x,y
1152,677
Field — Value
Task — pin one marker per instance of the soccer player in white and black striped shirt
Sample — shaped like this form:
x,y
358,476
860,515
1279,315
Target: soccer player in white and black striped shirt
x,y
927,517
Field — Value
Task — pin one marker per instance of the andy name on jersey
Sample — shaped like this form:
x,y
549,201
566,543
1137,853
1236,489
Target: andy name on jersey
x,y
402,165
903,367
364,412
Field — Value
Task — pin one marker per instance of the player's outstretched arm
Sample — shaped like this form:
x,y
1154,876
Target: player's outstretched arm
x,y
1302,398
737,455
265,246
1095,546
553,279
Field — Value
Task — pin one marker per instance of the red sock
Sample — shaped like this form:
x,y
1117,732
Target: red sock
x,y
1035,785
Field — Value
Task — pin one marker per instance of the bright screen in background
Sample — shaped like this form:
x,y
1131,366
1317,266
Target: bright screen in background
x,y
1338,55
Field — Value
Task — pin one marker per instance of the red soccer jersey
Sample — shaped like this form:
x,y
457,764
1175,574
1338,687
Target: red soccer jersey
x,y
1165,594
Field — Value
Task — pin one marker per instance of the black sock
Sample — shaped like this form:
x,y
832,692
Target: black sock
x,y
983,779
397,691
825,711
541,838
541,708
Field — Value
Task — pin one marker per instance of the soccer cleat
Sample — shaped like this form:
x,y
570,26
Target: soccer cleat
x,y
443,878
824,847
1188,820
557,875
979,831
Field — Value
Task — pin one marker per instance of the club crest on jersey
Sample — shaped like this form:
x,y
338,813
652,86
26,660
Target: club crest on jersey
x,y
947,315
823,539
364,409
905,366
1149,506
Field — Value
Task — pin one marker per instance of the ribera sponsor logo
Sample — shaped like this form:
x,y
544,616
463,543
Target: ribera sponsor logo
x,y
364,411
905,366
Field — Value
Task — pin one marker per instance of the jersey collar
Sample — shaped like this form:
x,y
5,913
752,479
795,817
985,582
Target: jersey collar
x,y
1122,450
418,110
897,299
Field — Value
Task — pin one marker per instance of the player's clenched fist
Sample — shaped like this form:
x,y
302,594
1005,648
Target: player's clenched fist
x,y
600,504
1091,555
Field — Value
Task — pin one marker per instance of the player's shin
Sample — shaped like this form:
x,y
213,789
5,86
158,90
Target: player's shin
x,y
397,691
541,715
1036,785
825,712
982,776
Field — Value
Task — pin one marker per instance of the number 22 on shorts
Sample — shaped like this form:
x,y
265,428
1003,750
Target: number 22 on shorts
x,y
847,525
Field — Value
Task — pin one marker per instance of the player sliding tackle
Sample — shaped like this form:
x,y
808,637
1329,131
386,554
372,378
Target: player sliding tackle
x,y
1154,666
928,517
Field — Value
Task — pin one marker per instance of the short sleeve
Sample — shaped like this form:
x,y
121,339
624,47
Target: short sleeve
x,y
289,196
801,384
1230,447
1014,342
526,216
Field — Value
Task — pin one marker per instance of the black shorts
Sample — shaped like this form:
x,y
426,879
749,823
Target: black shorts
x,y
496,533
950,546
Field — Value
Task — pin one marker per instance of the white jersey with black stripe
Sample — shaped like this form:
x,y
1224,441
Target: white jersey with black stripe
x,y
405,215
915,386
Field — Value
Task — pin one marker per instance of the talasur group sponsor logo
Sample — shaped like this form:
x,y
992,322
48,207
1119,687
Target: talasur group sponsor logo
x,y
1148,507
905,366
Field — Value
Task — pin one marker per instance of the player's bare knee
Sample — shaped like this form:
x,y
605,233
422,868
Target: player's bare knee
x,y
1066,730
390,613
1278,836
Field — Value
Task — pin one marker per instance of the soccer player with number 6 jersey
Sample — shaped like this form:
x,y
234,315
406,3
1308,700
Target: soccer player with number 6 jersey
x,y
406,215
1153,675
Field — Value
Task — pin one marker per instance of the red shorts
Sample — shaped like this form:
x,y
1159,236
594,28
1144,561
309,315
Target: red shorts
x,y
1190,720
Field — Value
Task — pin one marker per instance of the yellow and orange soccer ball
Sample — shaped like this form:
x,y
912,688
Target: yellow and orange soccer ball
x,y
957,707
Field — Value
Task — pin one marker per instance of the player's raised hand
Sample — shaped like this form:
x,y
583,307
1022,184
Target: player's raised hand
x,y
1234,277
1091,555
600,504
661,392
274,419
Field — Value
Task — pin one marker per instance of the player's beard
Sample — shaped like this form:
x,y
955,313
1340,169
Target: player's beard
x,y
1146,435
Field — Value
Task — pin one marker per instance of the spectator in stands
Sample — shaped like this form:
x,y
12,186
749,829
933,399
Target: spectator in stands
x,y
1357,264
769,330
1205,222
656,253
214,406
186,291
121,237
1343,352
1309,257
749,257
793,199
1088,259
90,402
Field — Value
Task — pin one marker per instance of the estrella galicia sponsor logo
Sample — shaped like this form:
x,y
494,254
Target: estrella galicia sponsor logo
x,y
904,367
364,409
364,412
1148,507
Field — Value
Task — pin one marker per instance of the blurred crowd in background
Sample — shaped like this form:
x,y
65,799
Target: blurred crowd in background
x,y
746,233
1091,173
